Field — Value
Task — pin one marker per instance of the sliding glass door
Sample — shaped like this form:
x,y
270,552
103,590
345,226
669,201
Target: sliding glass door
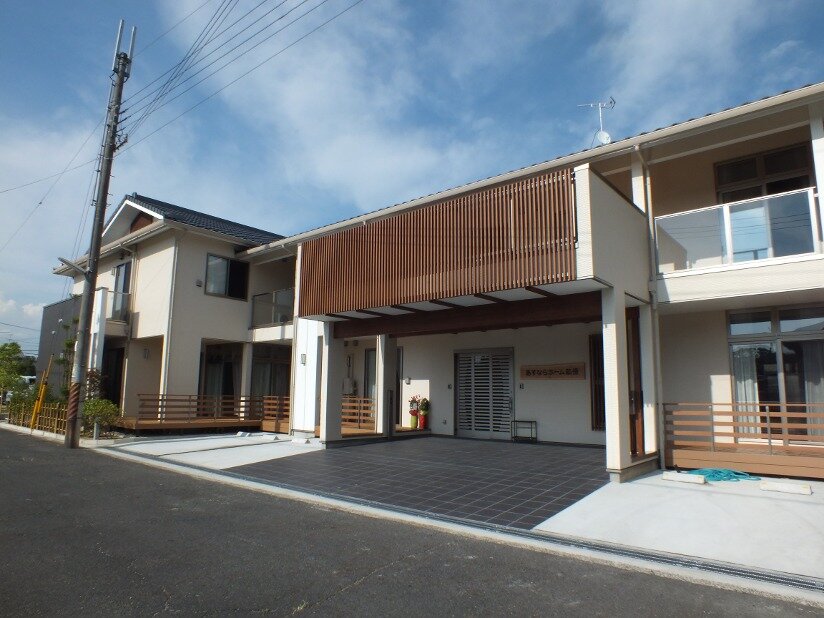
x,y
777,362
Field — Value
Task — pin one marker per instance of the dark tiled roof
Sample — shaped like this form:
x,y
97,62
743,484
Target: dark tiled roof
x,y
204,221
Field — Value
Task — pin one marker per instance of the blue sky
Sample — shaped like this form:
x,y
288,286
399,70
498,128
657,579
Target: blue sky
x,y
393,100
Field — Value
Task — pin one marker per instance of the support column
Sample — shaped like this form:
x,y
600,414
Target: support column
x,y
333,372
616,384
98,328
648,378
246,376
638,183
385,372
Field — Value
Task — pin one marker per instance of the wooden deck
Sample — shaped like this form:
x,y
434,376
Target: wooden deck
x,y
766,438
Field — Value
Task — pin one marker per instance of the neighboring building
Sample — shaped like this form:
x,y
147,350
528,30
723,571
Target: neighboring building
x,y
59,329
172,310
660,295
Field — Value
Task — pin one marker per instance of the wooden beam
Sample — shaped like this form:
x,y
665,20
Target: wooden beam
x,y
377,314
409,309
522,314
444,303
493,299
540,292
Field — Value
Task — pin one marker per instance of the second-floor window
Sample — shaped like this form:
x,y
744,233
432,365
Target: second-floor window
x,y
766,173
226,277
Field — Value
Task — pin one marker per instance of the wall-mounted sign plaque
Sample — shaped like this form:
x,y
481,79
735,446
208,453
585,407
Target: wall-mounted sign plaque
x,y
566,371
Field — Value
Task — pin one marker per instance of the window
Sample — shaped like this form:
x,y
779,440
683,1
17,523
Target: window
x,y
765,173
777,359
225,277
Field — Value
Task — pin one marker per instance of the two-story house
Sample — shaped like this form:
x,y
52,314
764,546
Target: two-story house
x,y
177,313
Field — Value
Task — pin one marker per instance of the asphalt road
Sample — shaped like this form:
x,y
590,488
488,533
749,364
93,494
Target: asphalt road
x,y
83,533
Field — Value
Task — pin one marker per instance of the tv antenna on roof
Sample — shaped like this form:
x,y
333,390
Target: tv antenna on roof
x,y
601,135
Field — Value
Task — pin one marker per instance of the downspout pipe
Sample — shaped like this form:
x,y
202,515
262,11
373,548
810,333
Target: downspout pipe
x,y
653,291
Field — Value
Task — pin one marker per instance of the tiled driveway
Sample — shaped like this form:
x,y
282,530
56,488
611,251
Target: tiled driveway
x,y
503,483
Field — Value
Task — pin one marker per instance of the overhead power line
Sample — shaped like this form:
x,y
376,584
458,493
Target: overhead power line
x,y
242,75
148,45
49,177
133,102
51,187
195,48
37,330
131,97
231,61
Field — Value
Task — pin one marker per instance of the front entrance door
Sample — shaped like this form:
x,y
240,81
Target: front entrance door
x,y
636,397
483,394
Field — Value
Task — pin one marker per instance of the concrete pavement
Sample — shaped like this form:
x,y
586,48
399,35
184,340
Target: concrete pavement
x,y
82,532
733,522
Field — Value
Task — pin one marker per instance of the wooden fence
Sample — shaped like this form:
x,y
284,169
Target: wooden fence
x,y
276,414
52,417
764,438
357,415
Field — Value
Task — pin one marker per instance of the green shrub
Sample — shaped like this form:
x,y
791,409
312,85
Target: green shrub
x,y
100,411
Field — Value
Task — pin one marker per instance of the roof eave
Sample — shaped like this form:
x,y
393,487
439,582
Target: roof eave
x,y
681,130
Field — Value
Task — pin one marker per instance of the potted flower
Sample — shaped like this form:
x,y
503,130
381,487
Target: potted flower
x,y
423,411
414,402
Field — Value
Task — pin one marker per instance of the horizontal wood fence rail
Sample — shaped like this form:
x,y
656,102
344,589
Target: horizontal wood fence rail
x,y
766,438
358,413
178,407
52,417
513,235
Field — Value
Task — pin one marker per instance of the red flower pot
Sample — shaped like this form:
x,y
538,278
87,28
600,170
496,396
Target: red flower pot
x,y
422,421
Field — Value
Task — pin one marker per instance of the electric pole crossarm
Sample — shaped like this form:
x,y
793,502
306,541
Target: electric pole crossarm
x,y
121,69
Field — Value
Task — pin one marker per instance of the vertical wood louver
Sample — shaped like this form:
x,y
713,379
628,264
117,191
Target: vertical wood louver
x,y
513,235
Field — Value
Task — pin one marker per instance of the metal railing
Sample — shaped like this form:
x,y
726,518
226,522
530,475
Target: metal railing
x,y
275,307
757,229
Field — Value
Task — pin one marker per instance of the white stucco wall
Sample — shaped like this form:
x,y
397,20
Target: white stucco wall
x,y
612,236
305,375
197,315
151,283
141,371
561,407
695,361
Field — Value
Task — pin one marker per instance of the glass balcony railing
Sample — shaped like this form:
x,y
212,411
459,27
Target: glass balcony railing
x,y
117,306
758,229
273,307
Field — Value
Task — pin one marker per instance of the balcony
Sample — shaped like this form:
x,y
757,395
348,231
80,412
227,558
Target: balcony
x,y
764,228
769,246
273,308
117,306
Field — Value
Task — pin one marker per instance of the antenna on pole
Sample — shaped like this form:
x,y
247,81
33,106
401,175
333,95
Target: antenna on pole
x,y
131,43
117,45
601,135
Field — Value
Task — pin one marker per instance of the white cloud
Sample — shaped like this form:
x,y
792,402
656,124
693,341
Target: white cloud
x,y
7,306
669,61
33,310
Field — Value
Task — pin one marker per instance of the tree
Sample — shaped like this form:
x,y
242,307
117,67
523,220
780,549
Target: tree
x,y
28,366
10,356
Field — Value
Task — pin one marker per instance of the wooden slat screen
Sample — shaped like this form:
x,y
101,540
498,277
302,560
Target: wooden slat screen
x,y
509,236
762,438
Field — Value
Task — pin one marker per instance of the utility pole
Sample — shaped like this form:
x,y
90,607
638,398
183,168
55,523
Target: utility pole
x,y
120,69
